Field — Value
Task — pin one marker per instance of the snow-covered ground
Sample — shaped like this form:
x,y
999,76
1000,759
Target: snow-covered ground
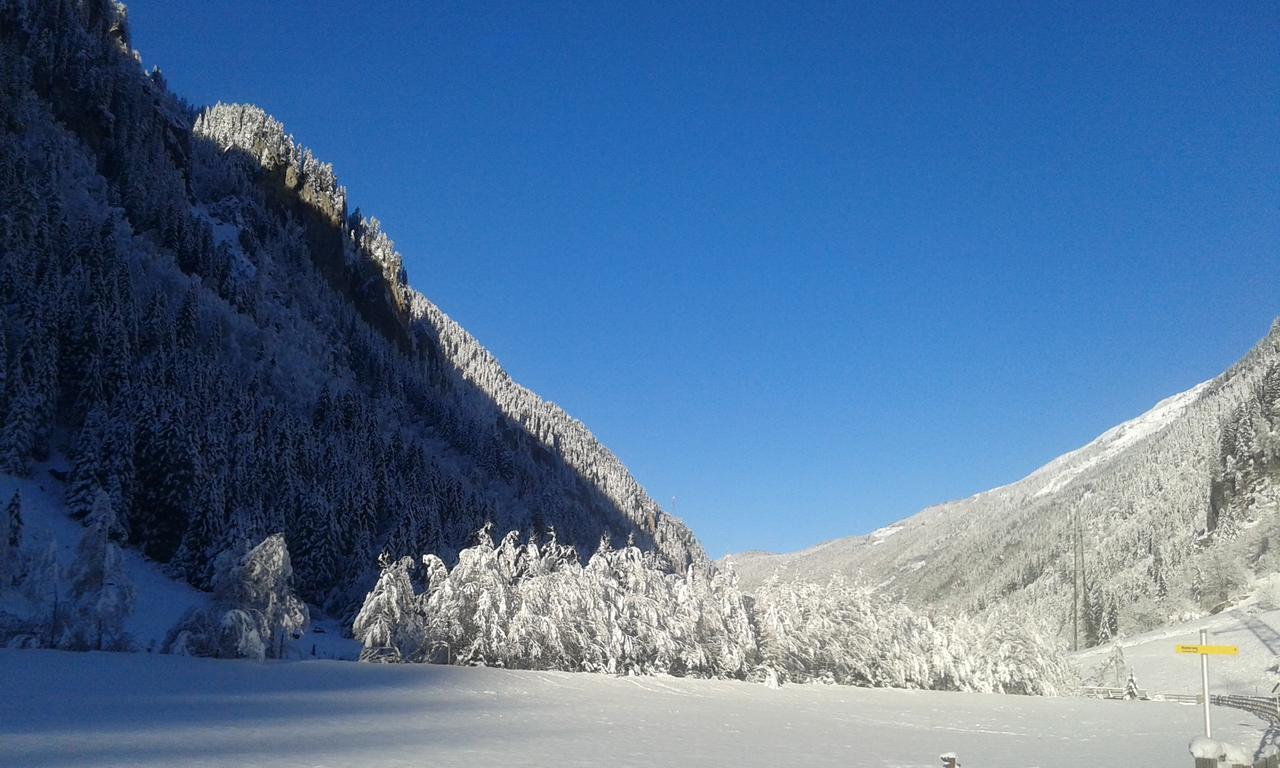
x,y
102,709
1156,668
148,709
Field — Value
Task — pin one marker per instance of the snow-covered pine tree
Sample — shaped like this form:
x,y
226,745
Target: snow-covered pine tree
x,y
12,559
165,490
319,536
260,609
102,593
1268,394
187,323
4,370
47,391
87,473
485,598
18,433
1116,667
14,516
1131,691
43,588
389,624
206,533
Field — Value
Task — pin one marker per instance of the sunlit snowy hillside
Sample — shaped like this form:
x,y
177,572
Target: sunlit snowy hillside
x,y
1173,513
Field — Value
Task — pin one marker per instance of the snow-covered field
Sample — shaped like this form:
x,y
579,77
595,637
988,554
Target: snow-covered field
x,y
102,709
146,709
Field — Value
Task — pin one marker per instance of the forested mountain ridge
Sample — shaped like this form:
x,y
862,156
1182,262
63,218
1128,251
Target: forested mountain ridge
x,y
1173,512
198,331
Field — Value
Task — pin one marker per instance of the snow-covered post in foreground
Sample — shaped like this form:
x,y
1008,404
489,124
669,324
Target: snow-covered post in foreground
x,y
1237,756
949,760
1209,753
1206,751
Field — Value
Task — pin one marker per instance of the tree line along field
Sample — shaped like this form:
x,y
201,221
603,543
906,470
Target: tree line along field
x,y
513,603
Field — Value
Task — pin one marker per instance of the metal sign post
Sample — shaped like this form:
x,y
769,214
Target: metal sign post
x,y
1204,682
1204,651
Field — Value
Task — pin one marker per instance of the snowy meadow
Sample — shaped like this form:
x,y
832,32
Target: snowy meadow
x,y
104,709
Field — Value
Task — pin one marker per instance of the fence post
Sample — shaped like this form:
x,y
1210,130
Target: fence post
x,y
1236,756
1206,751
1270,758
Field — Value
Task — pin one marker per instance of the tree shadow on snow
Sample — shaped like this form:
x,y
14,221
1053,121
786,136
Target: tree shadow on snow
x,y
72,709
1266,634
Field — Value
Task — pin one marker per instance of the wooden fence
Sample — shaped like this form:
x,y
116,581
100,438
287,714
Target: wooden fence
x,y
1106,692
1271,761
1265,707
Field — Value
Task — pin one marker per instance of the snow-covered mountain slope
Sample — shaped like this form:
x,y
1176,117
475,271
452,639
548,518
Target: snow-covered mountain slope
x,y
1254,671
192,315
93,710
1146,492
161,600
1056,474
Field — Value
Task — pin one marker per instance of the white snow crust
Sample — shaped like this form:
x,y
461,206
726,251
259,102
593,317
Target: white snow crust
x,y
92,710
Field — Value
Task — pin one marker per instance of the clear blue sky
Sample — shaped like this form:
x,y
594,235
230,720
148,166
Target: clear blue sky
x,y
806,267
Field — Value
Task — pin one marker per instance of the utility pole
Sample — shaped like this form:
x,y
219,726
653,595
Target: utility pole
x,y
1080,582
1075,581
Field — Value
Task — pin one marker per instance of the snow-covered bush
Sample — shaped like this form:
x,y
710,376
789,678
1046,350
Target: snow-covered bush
x,y
195,634
1023,659
254,610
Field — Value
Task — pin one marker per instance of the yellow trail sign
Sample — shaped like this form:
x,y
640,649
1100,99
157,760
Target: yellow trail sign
x,y
1208,650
